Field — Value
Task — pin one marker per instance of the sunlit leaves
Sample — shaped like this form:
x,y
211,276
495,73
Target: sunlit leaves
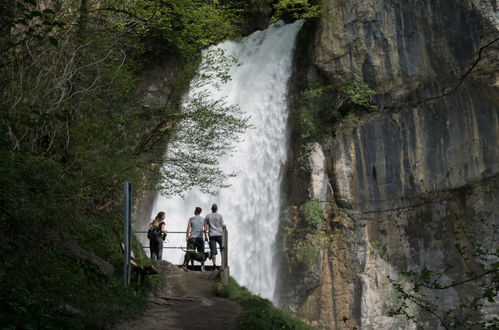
x,y
295,9
207,129
188,25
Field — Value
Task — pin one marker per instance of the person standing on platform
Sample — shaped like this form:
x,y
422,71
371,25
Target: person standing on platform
x,y
156,233
213,225
195,230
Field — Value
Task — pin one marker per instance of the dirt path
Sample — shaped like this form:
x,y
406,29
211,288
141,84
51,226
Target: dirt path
x,y
186,302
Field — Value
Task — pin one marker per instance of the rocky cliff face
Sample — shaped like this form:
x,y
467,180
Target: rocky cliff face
x,y
411,49
160,86
398,186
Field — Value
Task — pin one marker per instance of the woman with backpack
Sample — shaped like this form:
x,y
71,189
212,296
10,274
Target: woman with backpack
x,y
156,233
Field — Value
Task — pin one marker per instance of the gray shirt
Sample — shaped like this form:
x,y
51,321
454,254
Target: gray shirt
x,y
197,226
214,221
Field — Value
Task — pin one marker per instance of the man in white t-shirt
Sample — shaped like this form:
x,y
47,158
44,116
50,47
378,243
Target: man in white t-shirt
x,y
213,224
195,229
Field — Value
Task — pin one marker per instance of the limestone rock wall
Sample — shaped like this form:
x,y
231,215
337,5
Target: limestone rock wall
x,y
402,178
413,48
386,159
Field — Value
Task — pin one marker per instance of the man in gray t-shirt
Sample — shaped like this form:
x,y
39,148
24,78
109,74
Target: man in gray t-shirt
x,y
213,224
195,229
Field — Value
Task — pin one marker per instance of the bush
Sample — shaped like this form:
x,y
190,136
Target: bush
x,y
295,9
313,213
358,93
327,104
258,313
310,127
39,283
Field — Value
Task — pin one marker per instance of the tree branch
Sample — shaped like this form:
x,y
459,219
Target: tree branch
x,y
460,82
121,11
454,89
492,271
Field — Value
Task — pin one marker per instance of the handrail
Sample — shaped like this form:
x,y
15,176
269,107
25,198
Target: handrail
x,y
223,249
169,247
169,232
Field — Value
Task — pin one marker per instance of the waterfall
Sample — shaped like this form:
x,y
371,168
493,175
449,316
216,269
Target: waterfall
x,y
251,205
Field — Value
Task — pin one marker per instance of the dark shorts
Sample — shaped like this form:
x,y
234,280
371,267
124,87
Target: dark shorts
x,y
195,243
213,244
156,248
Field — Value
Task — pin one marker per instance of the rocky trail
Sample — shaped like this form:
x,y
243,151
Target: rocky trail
x,y
187,301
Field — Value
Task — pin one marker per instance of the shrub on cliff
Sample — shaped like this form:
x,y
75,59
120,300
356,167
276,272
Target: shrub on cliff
x,y
326,105
313,213
258,313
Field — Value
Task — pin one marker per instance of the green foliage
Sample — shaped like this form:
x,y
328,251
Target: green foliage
x,y
358,93
312,116
304,238
258,313
355,94
295,9
37,279
214,68
41,300
313,213
205,128
191,158
317,93
326,104
310,125
91,126
186,25
70,134
375,246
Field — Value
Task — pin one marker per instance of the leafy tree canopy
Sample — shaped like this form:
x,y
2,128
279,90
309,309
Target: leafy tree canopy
x,y
71,130
295,9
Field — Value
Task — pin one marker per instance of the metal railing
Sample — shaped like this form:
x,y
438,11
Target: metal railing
x,y
222,249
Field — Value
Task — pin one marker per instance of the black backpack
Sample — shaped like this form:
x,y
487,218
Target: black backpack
x,y
153,232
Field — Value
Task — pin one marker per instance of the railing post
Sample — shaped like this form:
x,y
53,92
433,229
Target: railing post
x,y
127,232
224,270
225,245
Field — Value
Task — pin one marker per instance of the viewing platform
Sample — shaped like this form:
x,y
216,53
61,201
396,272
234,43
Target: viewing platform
x,y
222,262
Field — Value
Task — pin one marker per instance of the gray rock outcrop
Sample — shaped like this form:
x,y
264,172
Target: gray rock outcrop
x,y
407,177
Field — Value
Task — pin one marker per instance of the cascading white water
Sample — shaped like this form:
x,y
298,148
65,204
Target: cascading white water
x,y
250,206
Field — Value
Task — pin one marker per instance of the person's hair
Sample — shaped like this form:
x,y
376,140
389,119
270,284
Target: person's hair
x,y
214,208
198,210
158,219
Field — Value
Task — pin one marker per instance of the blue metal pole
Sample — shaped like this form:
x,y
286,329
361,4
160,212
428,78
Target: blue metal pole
x,y
127,232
